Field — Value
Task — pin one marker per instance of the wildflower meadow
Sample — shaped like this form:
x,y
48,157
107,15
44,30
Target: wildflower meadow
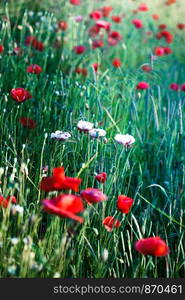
x,y
92,139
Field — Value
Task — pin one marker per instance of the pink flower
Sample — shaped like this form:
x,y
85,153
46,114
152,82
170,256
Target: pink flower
x,y
79,19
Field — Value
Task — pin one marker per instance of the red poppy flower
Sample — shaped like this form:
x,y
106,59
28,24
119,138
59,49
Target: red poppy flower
x,y
114,37
169,2
75,2
4,202
62,25
137,23
79,49
142,85
92,195
94,30
143,7
159,51
103,24
110,223
34,69
20,94
180,26
82,71
162,26
95,67
155,17
59,181
167,50
65,205
116,19
183,87
152,246
124,203
116,63
146,68
97,44
101,177
1,49
174,86
27,122
96,15
106,10
167,35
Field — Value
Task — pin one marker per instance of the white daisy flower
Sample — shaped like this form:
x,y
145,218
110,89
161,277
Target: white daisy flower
x,y
17,209
85,126
97,133
60,135
124,139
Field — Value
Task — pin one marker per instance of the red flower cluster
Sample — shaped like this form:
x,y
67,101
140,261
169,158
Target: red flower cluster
x,y
4,202
34,43
34,69
160,51
82,71
177,87
166,35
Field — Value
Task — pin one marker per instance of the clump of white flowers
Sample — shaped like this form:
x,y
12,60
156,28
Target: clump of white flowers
x,y
124,139
97,133
60,135
17,209
85,126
